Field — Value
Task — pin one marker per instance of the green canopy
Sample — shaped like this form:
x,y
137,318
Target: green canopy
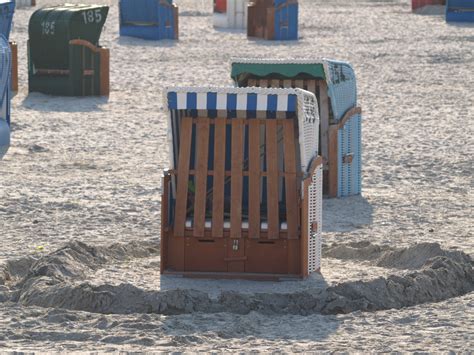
x,y
242,71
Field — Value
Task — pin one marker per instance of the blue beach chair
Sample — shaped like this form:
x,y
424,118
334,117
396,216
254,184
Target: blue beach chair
x,y
460,11
149,19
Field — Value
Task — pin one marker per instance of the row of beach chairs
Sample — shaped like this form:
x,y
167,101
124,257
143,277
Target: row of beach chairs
x,y
64,55
158,19
456,10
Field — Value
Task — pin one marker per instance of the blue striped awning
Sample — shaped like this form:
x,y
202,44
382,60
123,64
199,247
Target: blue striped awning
x,y
232,101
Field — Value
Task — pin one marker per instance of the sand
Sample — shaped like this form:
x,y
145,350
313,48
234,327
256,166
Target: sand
x,y
84,174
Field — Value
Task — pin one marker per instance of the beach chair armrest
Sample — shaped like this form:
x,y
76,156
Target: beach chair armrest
x,y
356,110
314,165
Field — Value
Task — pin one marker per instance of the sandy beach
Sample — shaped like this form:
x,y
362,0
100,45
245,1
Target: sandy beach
x,y
80,198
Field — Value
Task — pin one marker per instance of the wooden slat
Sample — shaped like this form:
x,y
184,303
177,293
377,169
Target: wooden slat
x,y
270,24
311,86
176,21
219,175
252,82
275,83
183,176
272,179
254,179
14,71
324,116
236,178
299,84
104,72
287,83
290,179
202,142
263,83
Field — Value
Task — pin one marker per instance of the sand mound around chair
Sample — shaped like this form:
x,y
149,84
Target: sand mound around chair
x,y
62,279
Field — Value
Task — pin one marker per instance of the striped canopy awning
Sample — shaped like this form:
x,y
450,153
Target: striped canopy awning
x,y
276,103
233,99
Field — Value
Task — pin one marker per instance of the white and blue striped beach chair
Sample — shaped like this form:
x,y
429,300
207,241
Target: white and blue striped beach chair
x,y
244,192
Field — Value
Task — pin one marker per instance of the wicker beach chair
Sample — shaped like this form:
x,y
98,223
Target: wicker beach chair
x,y
64,56
243,197
334,84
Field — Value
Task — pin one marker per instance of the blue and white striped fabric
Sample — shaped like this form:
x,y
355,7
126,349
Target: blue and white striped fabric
x,y
250,102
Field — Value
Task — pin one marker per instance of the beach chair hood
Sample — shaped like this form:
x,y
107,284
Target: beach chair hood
x,y
300,102
339,76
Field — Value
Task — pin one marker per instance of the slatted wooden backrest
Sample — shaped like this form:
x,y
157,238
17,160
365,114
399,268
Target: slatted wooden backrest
x,y
318,87
255,163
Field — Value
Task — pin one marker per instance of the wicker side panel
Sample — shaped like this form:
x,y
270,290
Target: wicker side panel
x,y
349,158
315,217
342,88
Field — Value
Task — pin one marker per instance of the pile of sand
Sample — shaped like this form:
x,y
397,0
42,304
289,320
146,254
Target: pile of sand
x,y
59,280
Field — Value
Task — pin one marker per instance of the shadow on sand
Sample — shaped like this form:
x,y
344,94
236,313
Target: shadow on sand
x,y
140,42
346,214
47,103
253,309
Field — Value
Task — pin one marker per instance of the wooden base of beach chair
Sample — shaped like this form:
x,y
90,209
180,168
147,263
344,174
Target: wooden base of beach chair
x,y
236,276
227,168
87,74
417,4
